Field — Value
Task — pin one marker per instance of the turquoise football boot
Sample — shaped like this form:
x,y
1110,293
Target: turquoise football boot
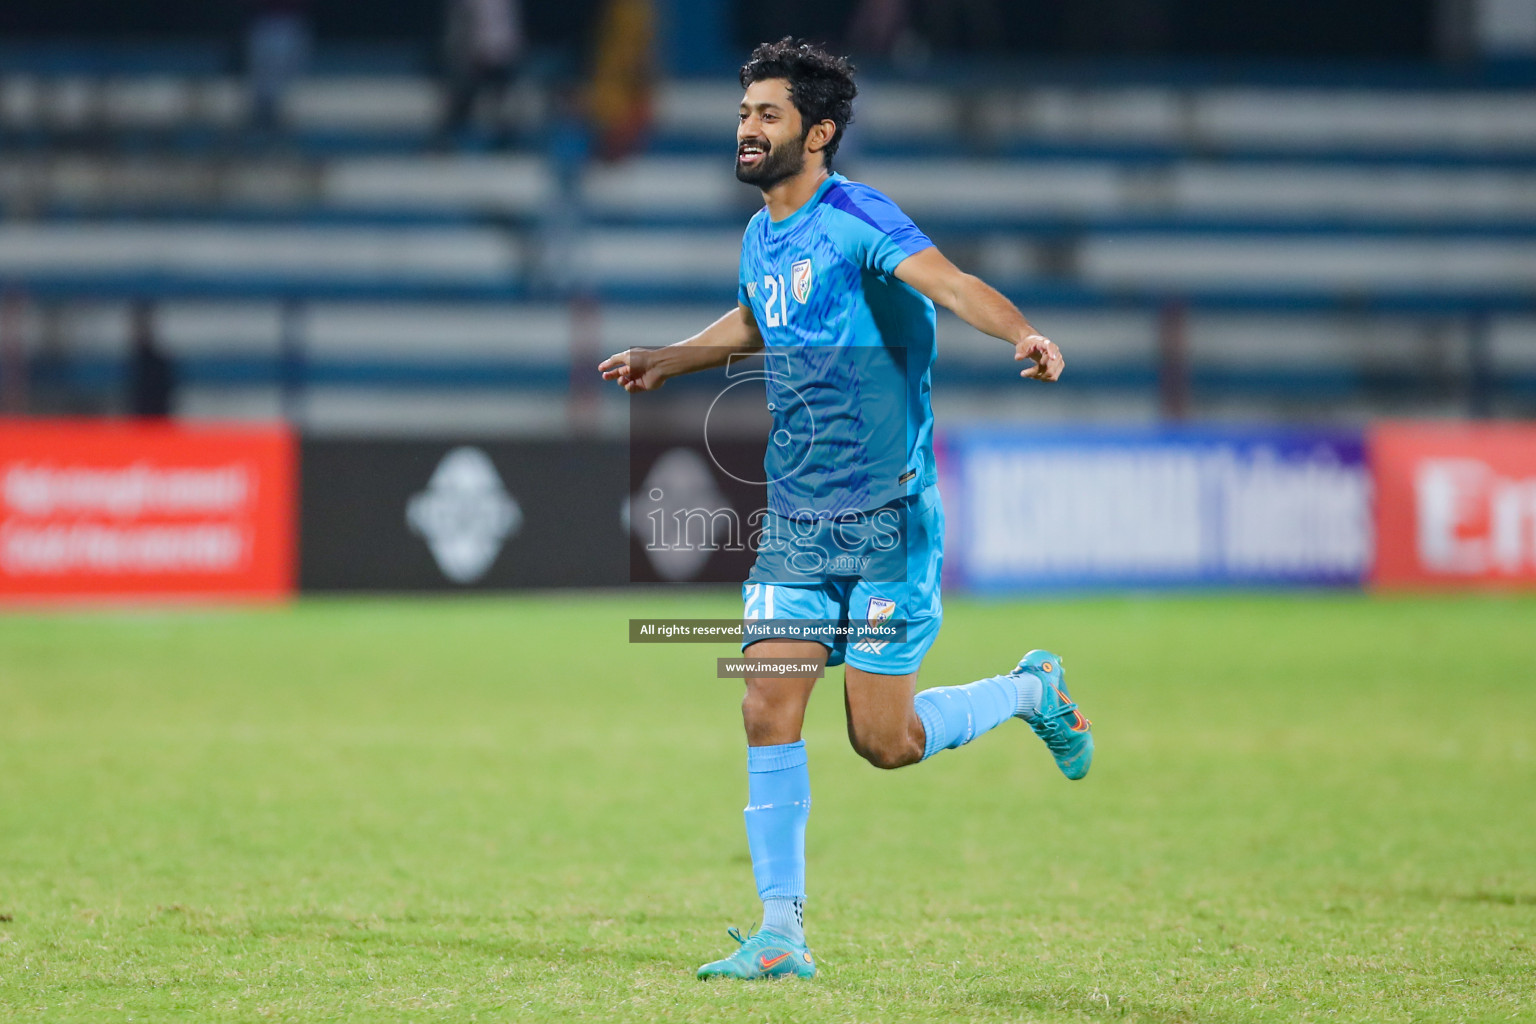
x,y
1065,730
762,955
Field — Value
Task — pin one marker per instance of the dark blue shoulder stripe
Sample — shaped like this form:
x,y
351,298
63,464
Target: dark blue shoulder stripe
x,y
838,198
881,214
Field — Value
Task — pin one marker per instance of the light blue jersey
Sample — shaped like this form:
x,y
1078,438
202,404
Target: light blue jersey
x,y
856,534
849,352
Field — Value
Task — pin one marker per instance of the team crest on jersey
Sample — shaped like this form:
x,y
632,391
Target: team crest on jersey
x,y
800,280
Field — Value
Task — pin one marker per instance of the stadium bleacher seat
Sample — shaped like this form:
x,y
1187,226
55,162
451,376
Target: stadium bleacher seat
x,y
1101,206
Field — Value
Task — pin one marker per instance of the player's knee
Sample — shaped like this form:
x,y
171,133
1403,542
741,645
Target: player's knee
x,y
765,714
887,752
756,706
754,711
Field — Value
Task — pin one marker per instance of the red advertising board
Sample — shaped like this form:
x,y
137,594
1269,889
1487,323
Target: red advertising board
x,y
1455,504
112,510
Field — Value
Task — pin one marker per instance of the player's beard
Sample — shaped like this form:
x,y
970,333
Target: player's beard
x,y
778,164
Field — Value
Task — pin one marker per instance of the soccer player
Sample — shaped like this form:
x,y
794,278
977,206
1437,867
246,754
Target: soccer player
x,y
833,266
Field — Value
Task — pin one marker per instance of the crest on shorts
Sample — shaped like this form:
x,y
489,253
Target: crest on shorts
x,y
880,609
800,280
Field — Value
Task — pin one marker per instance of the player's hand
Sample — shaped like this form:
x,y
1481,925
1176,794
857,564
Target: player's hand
x,y
635,370
1044,356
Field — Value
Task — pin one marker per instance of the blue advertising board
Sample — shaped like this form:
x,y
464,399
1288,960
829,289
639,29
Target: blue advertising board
x,y
1037,508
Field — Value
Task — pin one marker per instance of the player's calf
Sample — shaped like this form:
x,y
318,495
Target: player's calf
x,y
882,727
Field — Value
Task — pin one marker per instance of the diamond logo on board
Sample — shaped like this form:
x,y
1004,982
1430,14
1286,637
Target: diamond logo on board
x,y
678,482
465,514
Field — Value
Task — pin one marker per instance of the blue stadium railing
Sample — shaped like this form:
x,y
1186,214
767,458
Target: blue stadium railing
x,y
1310,384
1045,226
220,54
1043,293
206,141
295,369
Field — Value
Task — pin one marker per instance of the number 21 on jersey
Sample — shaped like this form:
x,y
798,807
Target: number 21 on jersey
x,y
776,304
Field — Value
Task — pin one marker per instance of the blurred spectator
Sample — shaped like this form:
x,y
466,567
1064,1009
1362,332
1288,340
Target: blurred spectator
x,y
53,391
277,52
623,77
484,44
13,354
1505,29
1118,26
963,26
907,31
878,26
151,375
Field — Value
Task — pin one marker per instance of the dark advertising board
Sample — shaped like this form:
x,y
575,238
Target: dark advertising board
x,y
695,509
462,515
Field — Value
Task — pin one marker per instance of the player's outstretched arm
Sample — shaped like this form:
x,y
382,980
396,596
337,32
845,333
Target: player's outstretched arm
x,y
646,369
984,308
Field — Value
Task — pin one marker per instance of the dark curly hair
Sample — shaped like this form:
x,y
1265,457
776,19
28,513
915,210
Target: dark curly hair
x,y
820,85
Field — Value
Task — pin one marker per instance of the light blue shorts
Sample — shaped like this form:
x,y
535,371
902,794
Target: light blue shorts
x,y
772,594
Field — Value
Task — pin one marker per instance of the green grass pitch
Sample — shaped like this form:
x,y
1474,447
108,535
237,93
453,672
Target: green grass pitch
x,y
1315,808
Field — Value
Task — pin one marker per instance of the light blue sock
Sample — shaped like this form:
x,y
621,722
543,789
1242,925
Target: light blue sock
x,y
785,917
778,806
952,716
